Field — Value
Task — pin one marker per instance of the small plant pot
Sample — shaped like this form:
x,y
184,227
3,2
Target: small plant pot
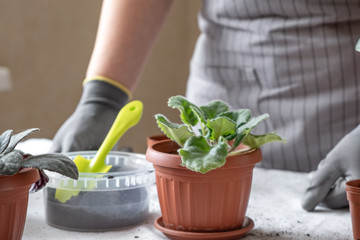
x,y
151,140
196,202
106,201
353,196
14,195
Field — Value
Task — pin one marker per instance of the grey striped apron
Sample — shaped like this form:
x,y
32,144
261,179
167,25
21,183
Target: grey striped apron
x,y
293,59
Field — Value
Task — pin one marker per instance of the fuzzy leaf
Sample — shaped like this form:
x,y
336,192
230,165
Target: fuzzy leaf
x,y
176,132
184,106
240,117
221,126
199,156
216,125
245,129
253,122
199,114
11,163
213,109
55,162
239,138
255,141
15,139
5,140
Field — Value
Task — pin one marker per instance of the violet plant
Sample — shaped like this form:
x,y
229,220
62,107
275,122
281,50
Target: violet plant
x,y
206,130
13,160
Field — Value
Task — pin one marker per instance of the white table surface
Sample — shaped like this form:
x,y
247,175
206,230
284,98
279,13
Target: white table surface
x,y
274,207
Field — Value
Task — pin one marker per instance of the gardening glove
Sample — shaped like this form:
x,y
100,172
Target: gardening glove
x,y
327,183
86,128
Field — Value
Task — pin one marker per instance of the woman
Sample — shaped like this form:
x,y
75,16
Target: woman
x,y
292,59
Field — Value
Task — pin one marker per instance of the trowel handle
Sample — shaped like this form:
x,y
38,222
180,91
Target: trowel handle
x,y
128,117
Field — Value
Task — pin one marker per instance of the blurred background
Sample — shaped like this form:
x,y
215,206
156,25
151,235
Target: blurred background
x,y
45,47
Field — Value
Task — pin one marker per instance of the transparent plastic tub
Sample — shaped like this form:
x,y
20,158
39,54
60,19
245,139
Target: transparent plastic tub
x,y
106,201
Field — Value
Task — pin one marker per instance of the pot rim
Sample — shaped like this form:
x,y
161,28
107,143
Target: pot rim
x,y
353,186
25,176
160,154
158,137
152,139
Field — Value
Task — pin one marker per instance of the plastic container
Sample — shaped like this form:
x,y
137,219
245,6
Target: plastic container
x,y
106,201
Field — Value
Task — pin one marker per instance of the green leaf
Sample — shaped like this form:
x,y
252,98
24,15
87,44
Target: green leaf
x,y
176,132
253,122
240,117
199,156
55,162
184,106
5,140
10,163
15,139
239,138
245,129
255,141
213,109
216,124
199,114
221,126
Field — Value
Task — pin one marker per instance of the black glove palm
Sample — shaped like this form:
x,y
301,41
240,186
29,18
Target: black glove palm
x,y
87,127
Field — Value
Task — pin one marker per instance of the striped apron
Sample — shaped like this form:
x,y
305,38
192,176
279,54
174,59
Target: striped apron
x,y
293,59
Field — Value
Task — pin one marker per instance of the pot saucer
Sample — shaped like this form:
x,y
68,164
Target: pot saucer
x,y
226,235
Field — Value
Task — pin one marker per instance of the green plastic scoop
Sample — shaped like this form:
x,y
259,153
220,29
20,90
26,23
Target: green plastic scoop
x,y
128,117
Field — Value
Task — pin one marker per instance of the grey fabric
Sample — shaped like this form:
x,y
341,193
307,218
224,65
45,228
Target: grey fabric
x,y
87,127
293,59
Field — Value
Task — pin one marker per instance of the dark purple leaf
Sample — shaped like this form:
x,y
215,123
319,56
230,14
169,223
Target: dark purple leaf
x,y
37,186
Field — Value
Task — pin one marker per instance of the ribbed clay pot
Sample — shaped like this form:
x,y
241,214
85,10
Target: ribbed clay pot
x,y
192,201
14,195
353,196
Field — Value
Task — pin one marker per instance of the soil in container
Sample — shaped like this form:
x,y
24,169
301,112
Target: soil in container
x,y
97,210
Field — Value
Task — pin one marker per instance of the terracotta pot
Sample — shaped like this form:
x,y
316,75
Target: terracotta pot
x,y
14,195
353,196
151,140
192,201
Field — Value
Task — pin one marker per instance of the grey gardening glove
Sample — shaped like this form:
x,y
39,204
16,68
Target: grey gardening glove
x,y
87,127
327,183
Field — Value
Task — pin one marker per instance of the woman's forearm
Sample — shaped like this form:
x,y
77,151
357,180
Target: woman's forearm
x,y
126,33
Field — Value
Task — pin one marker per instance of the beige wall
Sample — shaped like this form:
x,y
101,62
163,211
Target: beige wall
x,y
47,45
